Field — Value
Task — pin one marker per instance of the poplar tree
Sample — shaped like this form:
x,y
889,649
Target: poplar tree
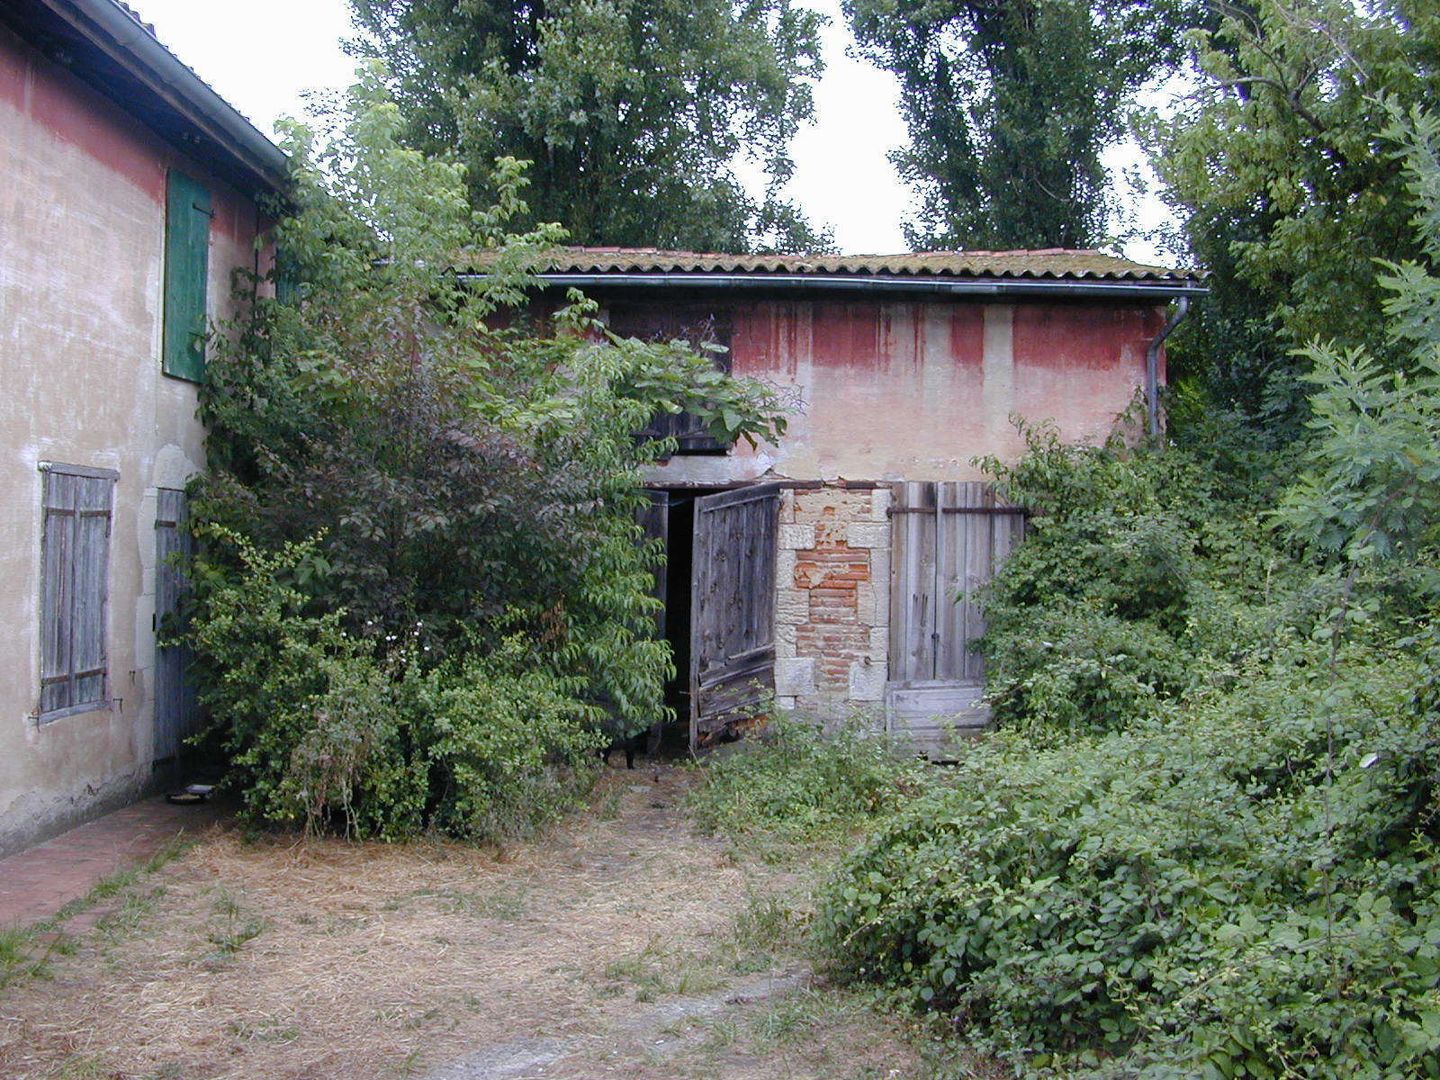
x,y
1009,105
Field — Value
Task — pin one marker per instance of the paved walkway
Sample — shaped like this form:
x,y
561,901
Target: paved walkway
x,y
39,881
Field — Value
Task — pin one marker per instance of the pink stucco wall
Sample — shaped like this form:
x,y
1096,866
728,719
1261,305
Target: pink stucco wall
x,y
915,390
82,232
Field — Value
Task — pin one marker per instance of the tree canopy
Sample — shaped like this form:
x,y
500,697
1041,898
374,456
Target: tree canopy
x,y
1287,190
634,115
1009,106
424,596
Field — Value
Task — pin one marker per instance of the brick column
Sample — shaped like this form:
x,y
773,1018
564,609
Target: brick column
x,y
833,599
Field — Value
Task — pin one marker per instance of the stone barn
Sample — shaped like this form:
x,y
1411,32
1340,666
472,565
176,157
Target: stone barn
x,y
839,569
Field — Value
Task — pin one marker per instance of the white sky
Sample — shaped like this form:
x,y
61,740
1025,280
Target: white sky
x,y
261,54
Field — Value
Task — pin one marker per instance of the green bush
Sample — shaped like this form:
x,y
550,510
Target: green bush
x,y
338,731
799,782
446,476
510,745
1188,893
1134,580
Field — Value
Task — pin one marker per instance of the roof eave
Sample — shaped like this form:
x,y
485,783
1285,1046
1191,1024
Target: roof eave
x,y
209,127
997,287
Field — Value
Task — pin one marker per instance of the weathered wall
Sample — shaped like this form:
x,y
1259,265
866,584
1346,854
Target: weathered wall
x,y
82,228
914,391
832,609
899,391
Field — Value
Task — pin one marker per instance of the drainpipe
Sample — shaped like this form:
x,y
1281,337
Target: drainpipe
x,y
1152,364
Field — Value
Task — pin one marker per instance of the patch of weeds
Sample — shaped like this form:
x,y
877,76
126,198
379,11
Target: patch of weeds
x,y
266,1030
83,1067
133,910
111,886
427,1019
607,806
230,928
720,1036
804,785
409,1065
18,956
765,931
653,973
171,1070
25,952
794,1019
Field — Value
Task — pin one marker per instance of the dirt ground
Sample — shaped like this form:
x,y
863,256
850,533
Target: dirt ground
x,y
623,944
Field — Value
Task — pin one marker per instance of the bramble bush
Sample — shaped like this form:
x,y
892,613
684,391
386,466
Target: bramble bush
x,y
1135,578
423,588
1204,840
1178,896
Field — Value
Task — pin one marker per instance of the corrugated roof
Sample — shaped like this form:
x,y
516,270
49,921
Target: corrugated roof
x,y
1054,263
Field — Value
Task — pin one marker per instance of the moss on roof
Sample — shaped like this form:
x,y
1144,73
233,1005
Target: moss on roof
x,y
1053,263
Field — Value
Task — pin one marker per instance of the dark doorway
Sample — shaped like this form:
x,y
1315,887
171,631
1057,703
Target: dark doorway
x,y
718,588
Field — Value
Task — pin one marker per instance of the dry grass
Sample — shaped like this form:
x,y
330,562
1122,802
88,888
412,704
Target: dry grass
x,y
306,959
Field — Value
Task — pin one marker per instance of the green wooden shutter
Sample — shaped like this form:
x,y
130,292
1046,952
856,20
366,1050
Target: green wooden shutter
x,y
187,265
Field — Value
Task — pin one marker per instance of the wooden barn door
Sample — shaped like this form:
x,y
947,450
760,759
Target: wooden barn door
x,y
948,541
732,609
176,711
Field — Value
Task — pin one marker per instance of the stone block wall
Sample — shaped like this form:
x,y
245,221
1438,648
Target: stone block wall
x,y
832,610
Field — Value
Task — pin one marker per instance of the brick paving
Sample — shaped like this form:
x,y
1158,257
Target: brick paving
x,y
37,882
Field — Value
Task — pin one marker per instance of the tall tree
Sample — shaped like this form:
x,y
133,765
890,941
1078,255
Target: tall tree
x,y
1287,191
1010,104
634,113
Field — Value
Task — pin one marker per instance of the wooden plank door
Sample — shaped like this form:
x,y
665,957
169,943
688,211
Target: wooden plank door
x,y
654,518
732,610
176,711
949,539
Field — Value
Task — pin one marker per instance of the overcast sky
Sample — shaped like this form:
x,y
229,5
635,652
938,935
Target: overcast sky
x,y
261,54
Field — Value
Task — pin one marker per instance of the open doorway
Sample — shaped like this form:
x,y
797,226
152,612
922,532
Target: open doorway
x,y
718,588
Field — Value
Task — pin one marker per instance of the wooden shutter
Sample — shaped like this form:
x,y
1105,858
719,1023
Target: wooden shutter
x,y
74,590
176,710
187,269
948,540
697,326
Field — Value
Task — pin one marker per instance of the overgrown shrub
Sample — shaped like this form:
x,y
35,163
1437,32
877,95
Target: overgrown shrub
x,y
424,585
1207,843
1134,580
354,733
801,781
1203,895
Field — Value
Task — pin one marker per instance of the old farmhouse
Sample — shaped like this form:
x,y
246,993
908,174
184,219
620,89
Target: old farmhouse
x,y
130,193
823,571
827,569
